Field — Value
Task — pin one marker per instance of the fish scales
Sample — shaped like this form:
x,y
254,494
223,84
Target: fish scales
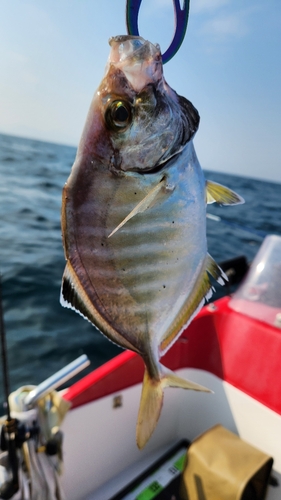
x,y
134,218
171,245
118,272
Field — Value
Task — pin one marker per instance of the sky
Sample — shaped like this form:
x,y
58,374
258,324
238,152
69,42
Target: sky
x,y
53,54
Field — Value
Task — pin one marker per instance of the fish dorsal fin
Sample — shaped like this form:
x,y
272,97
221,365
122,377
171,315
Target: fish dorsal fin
x,y
143,205
69,295
216,193
74,297
202,291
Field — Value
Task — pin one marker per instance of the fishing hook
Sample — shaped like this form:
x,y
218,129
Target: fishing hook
x,y
180,17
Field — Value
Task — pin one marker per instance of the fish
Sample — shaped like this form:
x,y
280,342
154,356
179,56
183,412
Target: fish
x,y
134,218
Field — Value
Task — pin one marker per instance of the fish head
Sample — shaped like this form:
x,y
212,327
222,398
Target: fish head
x,y
136,121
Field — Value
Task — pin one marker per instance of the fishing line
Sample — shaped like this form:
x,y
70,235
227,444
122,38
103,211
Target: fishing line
x,y
257,232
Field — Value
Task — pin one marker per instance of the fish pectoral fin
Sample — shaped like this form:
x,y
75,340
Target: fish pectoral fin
x,y
202,291
143,205
152,401
216,193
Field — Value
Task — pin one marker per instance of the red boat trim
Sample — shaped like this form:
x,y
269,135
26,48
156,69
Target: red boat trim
x,y
238,349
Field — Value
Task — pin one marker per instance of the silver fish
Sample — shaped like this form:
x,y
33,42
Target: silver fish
x,y
134,218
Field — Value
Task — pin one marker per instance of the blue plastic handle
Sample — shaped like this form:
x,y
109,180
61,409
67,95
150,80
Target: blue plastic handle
x,y
181,20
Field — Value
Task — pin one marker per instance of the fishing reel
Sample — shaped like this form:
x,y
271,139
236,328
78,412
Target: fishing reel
x,y
22,436
19,431
14,434
9,481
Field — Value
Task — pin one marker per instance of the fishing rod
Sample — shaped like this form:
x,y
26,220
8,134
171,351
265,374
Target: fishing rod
x,y
9,429
15,433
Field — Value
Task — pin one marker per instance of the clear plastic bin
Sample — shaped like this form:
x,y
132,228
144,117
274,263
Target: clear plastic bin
x,y
259,295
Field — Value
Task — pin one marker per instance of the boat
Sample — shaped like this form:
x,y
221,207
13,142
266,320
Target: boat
x,y
233,347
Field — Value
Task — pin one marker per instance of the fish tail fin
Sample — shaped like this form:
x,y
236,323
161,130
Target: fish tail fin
x,y
152,400
150,408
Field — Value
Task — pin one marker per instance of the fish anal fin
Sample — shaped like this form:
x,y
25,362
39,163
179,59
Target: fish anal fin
x,y
152,401
216,193
74,297
147,202
202,291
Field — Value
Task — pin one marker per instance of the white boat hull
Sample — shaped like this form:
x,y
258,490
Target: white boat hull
x,y
101,457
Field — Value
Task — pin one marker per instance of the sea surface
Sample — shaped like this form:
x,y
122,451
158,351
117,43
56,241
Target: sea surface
x,y
42,336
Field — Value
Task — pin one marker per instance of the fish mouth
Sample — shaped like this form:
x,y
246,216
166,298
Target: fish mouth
x,y
135,48
138,59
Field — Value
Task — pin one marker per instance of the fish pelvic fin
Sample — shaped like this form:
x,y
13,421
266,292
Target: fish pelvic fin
x,y
216,193
202,291
143,205
152,401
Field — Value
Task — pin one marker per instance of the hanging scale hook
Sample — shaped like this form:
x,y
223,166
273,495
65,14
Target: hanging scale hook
x,y
181,20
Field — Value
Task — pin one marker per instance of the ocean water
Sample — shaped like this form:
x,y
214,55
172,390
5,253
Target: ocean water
x,y
42,336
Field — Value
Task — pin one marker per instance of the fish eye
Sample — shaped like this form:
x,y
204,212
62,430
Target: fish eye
x,y
118,115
